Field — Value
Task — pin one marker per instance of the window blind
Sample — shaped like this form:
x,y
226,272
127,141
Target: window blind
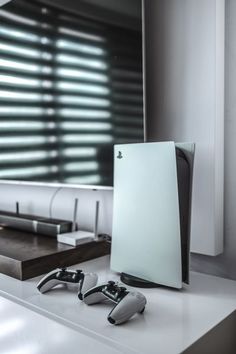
x,y
70,88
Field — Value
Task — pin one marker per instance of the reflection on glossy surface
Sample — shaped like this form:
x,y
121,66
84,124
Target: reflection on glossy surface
x,y
27,171
83,88
16,80
76,60
23,331
19,65
24,96
81,34
9,327
28,349
12,33
76,113
84,101
20,50
83,75
70,88
34,155
17,18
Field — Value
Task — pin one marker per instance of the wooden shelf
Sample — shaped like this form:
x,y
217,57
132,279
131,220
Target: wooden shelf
x,y
25,255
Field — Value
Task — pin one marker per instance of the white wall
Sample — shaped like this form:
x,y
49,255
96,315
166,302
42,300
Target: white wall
x,y
184,100
36,200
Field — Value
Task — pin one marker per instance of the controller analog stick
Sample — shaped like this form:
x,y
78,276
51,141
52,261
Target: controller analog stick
x,y
111,283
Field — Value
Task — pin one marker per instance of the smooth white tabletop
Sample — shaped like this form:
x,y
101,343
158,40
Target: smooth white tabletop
x,y
172,321
23,331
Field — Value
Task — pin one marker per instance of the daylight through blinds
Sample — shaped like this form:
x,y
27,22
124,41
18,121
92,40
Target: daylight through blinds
x,y
70,88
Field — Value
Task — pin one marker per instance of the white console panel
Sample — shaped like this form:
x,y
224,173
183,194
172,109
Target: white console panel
x,y
146,213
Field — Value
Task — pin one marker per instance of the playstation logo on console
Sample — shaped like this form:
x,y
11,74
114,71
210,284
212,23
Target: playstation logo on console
x,y
119,156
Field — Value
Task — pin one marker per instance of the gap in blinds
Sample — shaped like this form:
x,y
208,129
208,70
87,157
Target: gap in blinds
x,y
70,88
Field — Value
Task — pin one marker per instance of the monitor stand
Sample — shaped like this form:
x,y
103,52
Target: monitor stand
x,y
136,282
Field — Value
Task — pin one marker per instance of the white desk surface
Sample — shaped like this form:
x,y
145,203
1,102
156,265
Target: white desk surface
x,y
172,321
23,331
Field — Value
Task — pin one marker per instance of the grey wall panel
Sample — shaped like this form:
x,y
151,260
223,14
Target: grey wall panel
x,y
225,264
184,100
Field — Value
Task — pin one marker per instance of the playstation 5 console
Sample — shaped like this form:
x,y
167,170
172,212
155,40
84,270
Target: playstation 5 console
x,y
152,213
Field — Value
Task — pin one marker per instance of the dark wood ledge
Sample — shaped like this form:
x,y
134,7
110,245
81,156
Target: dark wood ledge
x,y
25,255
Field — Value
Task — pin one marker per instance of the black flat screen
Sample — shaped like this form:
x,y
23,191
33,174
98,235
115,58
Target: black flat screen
x,y
71,86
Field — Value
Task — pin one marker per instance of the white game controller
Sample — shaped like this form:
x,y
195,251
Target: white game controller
x,y
127,302
71,278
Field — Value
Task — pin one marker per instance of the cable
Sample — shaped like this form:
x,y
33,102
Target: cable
x,y
52,200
